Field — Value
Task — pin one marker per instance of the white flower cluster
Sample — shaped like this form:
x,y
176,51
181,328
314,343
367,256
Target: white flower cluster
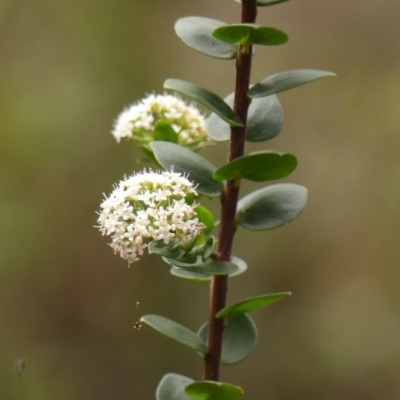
x,y
138,120
148,206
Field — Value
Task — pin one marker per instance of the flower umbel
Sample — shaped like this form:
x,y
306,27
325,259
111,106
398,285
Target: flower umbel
x,y
138,121
148,206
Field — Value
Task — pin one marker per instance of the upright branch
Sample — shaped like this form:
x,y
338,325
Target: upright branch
x,y
229,199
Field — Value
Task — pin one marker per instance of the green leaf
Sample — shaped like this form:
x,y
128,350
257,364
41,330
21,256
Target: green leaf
x,y
195,246
240,338
264,121
271,207
209,248
187,162
247,34
189,275
196,32
258,167
241,264
165,250
205,97
164,131
216,267
192,274
172,387
209,267
175,331
286,80
193,262
252,304
149,155
266,3
206,217
211,390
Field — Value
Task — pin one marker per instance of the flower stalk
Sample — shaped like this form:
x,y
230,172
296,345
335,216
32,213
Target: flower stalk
x,y
229,199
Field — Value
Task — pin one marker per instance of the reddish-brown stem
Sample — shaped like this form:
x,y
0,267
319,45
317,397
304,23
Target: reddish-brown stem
x,y
229,199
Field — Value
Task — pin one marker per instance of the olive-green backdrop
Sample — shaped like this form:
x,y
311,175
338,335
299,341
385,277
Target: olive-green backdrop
x,y
67,304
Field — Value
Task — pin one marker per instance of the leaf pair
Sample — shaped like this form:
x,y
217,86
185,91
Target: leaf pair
x,y
179,387
266,208
219,40
240,335
265,114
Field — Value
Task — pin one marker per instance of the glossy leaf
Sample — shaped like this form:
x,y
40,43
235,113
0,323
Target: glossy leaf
x,y
164,131
211,390
197,168
205,97
192,275
241,264
189,275
258,167
250,34
240,338
149,156
165,250
172,387
271,207
254,303
286,80
196,261
266,3
196,32
206,217
211,244
175,331
196,245
265,121
216,267
210,267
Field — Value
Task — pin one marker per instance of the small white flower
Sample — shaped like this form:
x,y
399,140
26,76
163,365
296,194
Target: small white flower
x,y
138,120
148,206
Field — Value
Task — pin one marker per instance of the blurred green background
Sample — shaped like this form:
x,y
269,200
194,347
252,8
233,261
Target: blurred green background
x,y
67,304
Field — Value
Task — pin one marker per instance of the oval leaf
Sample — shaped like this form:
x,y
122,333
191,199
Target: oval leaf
x,y
216,267
211,244
192,275
240,338
264,121
271,207
189,275
164,131
210,267
165,250
217,129
247,34
172,387
175,331
180,159
211,390
254,303
196,32
205,97
286,80
258,167
266,3
195,246
206,217
241,264
189,263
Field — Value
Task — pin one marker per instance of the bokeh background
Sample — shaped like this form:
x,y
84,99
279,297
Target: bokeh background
x,y
67,304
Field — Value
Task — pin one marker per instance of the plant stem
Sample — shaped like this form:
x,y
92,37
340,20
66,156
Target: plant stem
x,y
229,199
